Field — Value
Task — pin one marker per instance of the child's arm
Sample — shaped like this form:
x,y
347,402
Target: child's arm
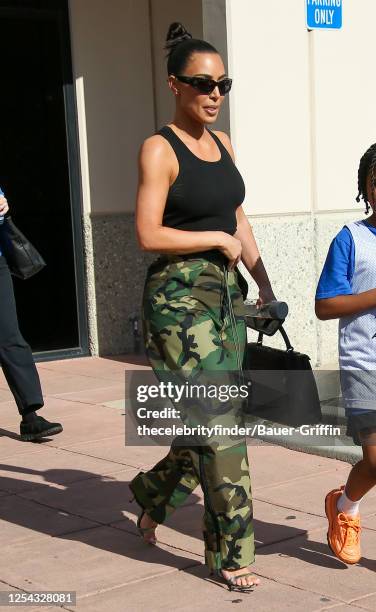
x,y
334,295
345,305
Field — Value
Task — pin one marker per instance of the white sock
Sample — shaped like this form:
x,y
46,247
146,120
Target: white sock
x,y
346,505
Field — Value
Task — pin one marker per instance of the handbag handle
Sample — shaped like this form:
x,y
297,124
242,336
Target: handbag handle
x,y
289,347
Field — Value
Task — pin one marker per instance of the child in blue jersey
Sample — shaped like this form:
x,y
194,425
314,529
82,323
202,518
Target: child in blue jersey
x,y
347,291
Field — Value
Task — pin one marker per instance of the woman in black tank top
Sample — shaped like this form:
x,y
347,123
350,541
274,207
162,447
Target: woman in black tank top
x,y
205,194
189,211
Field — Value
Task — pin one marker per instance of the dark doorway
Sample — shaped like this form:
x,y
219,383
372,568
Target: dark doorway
x,y
39,170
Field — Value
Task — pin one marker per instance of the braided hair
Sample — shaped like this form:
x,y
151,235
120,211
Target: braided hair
x,y
367,168
180,46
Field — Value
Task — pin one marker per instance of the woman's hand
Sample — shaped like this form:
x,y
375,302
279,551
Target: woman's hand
x,y
3,206
266,295
232,248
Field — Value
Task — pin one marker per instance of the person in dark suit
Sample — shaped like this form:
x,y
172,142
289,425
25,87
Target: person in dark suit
x,y
16,358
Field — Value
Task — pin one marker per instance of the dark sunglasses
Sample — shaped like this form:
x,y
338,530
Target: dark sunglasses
x,y
206,86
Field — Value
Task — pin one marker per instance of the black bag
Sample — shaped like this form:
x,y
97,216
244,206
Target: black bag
x,y
283,388
22,257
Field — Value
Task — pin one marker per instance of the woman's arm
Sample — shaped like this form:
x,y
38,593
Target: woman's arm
x,y
156,165
3,206
345,305
251,256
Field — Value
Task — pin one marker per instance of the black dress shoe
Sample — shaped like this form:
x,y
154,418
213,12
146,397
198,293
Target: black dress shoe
x,y
39,428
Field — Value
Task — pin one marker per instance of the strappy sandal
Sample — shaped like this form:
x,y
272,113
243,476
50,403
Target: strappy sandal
x,y
144,530
231,582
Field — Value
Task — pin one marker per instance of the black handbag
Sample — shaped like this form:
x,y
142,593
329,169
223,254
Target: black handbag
x,y
22,257
283,388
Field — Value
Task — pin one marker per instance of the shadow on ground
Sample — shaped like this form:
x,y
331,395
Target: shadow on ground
x,y
64,488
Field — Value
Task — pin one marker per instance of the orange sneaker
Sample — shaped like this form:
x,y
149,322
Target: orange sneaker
x,y
343,531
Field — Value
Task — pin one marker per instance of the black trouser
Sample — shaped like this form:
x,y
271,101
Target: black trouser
x,y
16,357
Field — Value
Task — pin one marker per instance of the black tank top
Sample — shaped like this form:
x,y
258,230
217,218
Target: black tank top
x,y
205,195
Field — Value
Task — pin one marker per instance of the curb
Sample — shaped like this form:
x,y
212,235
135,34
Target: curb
x,y
343,450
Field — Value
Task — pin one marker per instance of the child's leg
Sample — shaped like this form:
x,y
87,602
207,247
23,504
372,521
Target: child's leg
x,y
363,475
342,504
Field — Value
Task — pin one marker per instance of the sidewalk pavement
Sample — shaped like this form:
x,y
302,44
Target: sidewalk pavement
x,y
66,522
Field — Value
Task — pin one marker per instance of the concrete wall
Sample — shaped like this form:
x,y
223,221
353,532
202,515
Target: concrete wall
x,y
112,67
204,19
269,103
122,98
164,12
343,65
301,114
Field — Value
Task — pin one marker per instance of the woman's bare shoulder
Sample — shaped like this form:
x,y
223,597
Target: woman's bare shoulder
x,y
155,150
155,145
225,140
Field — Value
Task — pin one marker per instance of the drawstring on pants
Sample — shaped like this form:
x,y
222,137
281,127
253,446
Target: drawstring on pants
x,y
233,324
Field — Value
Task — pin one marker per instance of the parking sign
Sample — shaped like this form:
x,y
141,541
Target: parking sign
x,y
324,14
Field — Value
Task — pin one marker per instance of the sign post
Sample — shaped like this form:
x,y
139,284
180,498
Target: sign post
x,y
324,14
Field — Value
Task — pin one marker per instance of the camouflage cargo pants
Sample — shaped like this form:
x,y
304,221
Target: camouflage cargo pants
x,y
188,325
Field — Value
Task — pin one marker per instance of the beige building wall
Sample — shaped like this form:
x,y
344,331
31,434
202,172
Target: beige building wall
x,y
345,91
269,102
203,19
112,67
270,111
163,13
122,98
344,129
301,113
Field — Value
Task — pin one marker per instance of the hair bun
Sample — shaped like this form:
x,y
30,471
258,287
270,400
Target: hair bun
x,y
176,34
